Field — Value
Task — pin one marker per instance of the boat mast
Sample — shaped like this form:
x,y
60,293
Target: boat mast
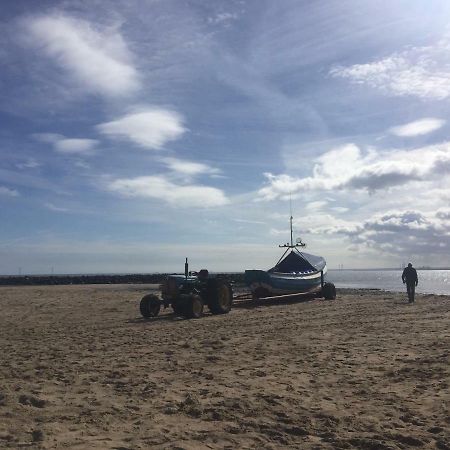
x,y
290,208
299,242
288,245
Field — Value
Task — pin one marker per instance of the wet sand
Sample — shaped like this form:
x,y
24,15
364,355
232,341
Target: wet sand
x,y
81,369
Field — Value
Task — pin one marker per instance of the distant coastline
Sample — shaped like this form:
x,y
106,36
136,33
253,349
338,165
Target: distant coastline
x,y
394,268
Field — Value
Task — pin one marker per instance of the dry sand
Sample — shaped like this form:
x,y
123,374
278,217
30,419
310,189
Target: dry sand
x,y
81,369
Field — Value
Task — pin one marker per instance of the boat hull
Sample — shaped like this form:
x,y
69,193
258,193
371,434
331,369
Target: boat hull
x,y
263,283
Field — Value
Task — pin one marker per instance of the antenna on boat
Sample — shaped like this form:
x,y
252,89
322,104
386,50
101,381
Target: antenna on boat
x,y
290,210
299,242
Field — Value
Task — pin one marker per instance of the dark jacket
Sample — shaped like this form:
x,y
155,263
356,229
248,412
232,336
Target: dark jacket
x,y
409,275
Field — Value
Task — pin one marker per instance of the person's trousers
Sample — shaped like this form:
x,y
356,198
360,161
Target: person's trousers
x,y
411,289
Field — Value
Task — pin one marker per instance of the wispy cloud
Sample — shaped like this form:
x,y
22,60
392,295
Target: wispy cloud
x,y
98,59
7,192
161,188
29,163
55,208
317,205
74,145
347,167
62,144
82,165
224,17
189,168
423,72
418,127
251,222
150,128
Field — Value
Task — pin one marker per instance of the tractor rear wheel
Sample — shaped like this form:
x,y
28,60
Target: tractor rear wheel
x,y
219,296
150,306
193,309
329,291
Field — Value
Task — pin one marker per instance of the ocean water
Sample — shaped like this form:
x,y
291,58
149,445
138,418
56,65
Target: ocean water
x,y
430,281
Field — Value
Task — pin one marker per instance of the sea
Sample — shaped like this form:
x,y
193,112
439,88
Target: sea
x,y
430,281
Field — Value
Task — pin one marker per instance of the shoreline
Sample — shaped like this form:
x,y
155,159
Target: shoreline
x,y
239,287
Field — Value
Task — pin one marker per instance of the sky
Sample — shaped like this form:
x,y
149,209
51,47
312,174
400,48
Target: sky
x,y
135,133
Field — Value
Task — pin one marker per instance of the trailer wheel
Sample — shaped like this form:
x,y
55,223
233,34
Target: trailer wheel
x,y
260,292
194,307
219,296
329,291
150,306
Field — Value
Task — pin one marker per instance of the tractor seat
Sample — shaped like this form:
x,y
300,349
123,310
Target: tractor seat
x,y
203,274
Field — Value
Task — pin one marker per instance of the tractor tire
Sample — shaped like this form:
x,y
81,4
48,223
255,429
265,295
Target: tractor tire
x,y
178,308
329,291
193,309
150,306
219,296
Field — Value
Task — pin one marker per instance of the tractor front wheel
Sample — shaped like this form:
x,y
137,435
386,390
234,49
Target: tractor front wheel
x,y
194,307
150,306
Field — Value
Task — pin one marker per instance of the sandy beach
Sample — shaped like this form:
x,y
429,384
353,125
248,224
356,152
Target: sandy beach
x,y
81,369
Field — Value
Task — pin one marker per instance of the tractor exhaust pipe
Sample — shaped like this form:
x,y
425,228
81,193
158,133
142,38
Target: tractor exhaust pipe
x,y
186,269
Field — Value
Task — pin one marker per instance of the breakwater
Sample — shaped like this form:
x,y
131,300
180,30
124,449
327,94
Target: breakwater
x,y
44,280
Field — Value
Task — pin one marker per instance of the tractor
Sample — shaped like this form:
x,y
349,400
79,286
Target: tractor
x,y
187,294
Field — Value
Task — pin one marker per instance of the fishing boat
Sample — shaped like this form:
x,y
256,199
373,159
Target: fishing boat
x,y
296,272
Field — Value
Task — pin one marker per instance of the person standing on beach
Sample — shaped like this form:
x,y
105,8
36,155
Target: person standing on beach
x,y
409,276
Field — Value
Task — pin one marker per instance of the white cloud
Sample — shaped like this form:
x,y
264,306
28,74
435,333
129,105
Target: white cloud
x,y
189,168
222,18
55,208
339,209
418,127
423,72
7,192
346,168
50,138
443,214
98,59
150,128
252,222
30,163
317,205
82,165
161,188
393,232
65,145
74,145
323,223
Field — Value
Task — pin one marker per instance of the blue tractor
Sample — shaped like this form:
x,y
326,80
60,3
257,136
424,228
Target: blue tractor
x,y
188,294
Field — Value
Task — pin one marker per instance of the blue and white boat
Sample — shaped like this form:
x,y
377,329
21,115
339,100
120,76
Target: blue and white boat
x,y
295,272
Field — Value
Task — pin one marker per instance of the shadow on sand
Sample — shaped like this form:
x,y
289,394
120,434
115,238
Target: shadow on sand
x,y
402,303
162,318
251,303
239,304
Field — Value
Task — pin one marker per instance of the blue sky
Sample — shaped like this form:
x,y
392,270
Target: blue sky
x,y
135,133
